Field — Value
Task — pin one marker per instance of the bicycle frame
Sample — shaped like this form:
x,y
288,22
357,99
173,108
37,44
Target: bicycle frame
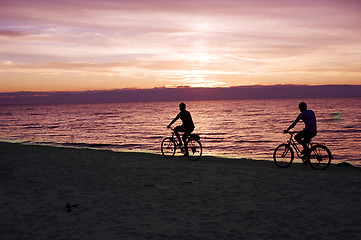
x,y
292,142
175,139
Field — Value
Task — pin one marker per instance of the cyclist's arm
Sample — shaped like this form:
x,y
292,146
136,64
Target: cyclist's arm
x,y
293,124
173,121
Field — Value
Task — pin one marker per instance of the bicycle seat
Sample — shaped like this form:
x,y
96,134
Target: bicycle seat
x,y
195,136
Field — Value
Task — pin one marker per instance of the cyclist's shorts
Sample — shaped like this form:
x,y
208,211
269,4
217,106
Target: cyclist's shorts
x,y
183,129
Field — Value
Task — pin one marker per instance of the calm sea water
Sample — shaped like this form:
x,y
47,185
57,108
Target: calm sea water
x,y
241,128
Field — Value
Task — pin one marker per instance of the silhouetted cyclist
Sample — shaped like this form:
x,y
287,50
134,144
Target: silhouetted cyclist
x,y
187,127
310,130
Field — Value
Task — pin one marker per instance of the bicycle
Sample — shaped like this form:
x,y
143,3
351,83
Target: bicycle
x,y
194,146
318,156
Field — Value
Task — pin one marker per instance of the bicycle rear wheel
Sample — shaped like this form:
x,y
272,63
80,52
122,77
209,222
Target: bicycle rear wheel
x,y
320,157
168,147
283,155
194,149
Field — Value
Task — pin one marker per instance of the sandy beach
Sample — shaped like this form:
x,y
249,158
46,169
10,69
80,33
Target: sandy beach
x,y
66,193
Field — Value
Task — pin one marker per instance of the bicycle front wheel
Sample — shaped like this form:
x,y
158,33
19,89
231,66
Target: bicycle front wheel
x,y
168,147
194,149
283,155
320,157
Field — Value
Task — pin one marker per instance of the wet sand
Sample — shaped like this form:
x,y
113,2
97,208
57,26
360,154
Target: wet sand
x,y
66,193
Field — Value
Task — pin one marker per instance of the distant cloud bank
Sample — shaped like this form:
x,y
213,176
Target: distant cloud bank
x,y
181,94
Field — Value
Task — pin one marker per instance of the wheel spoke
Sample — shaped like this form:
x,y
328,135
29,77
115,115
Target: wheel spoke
x,y
168,147
194,149
320,157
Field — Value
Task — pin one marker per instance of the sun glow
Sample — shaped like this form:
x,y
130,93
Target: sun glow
x,y
201,58
195,78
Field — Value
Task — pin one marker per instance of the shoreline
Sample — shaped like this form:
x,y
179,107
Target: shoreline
x,y
85,146
70,193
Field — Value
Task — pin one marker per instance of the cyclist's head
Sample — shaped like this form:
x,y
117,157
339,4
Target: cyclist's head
x,y
302,106
182,106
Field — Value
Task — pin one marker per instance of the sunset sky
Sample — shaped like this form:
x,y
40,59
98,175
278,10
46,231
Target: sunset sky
x,y
73,45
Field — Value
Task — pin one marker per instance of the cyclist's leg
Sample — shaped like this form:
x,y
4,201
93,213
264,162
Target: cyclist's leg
x,y
307,137
300,138
185,137
187,133
306,150
304,138
176,131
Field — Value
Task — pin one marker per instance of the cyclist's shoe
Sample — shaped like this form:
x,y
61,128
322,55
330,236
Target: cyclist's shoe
x,y
186,154
305,150
182,149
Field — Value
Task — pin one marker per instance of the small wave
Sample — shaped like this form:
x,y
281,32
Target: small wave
x,y
28,124
33,127
348,130
45,143
220,148
213,138
89,145
86,145
36,114
109,114
228,111
101,145
214,141
154,137
253,141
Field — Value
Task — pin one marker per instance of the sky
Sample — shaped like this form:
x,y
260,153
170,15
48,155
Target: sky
x,y
76,45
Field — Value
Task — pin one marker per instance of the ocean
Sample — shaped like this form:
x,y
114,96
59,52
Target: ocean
x,y
229,129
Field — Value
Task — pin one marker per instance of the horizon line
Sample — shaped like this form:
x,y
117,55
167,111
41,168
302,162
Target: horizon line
x,y
175,87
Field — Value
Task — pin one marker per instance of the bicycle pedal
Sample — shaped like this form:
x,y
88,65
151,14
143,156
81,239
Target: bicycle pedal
x,y
304,159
